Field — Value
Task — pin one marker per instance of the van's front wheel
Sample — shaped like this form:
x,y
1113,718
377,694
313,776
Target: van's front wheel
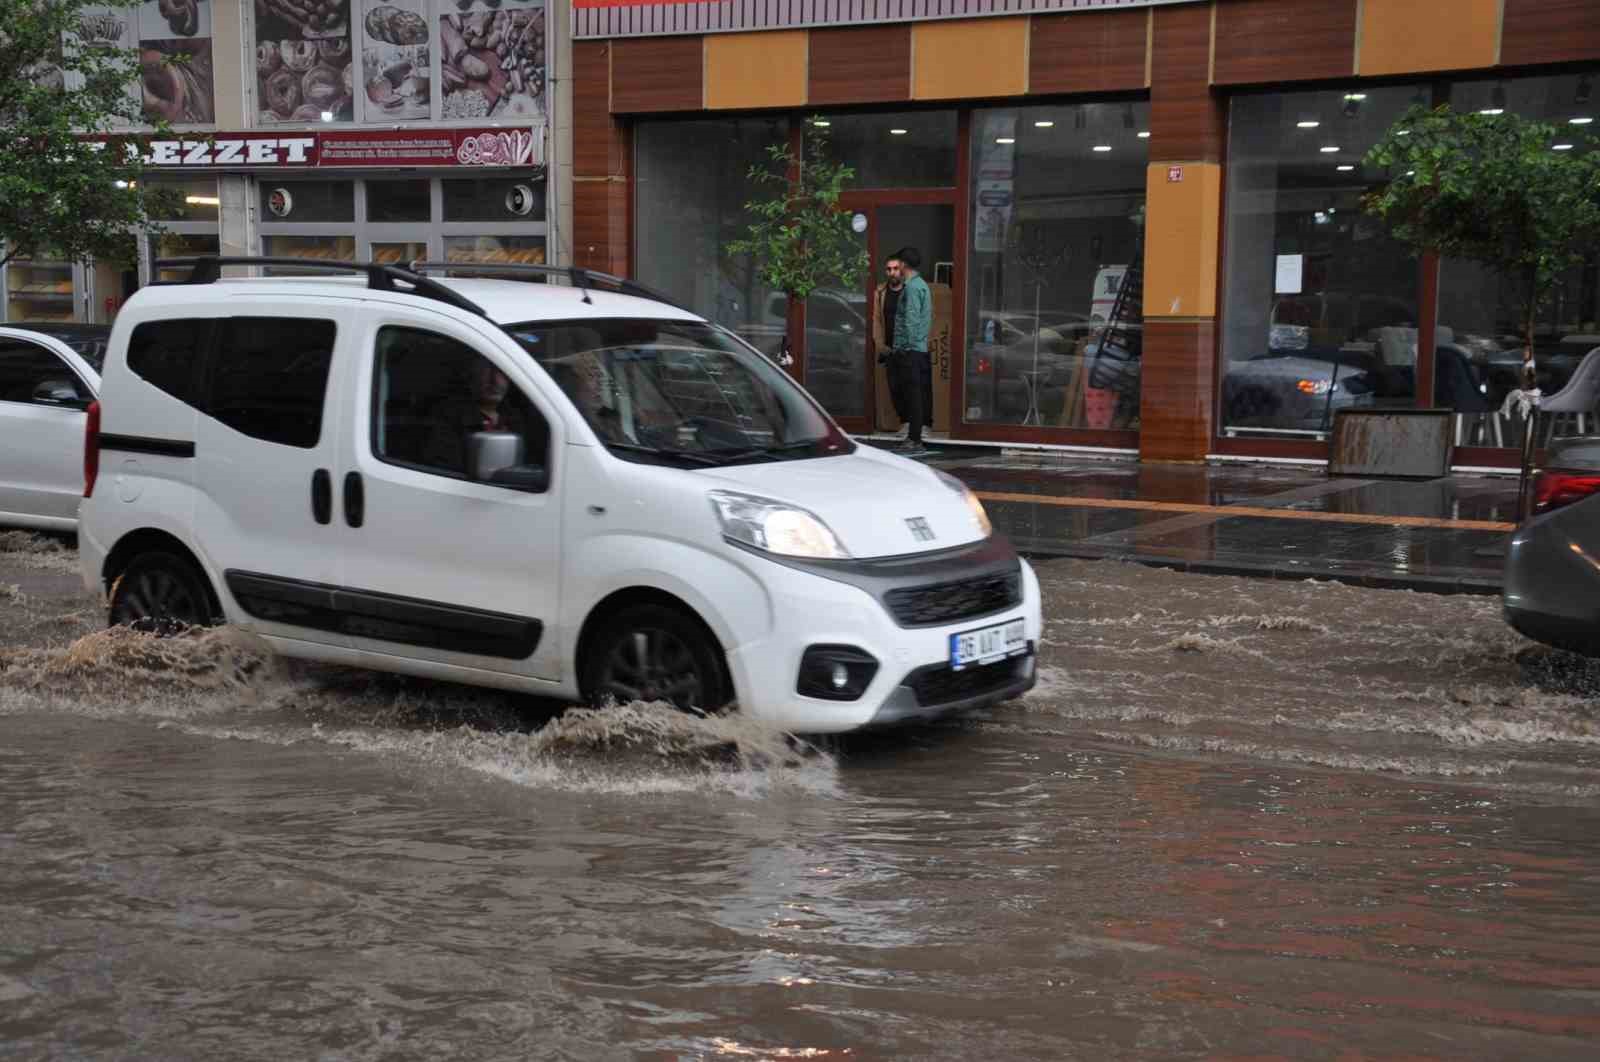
x,y
654,653
161,593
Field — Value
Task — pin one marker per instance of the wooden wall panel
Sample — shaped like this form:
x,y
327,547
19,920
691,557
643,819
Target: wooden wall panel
x,y
1177,389
1407,37
750,71
1263,41
1101,51
653,74
969,58
596,140
1186,119
865,64
1550,31
600,236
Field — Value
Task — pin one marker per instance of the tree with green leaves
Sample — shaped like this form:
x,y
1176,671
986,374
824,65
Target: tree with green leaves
x,y
1491,189
64,79
799,238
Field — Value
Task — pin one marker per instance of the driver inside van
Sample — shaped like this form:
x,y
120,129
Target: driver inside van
x,y
491,405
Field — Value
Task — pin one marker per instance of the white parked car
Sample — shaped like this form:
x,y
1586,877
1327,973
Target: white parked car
x,y
582,493
49,373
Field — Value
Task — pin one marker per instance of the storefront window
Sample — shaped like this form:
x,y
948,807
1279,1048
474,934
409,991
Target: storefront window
x,y
913,149
1480,332
308,201
494,199
186,200
183,245
692,185
321,248
495,250
1055,321
1321,305
398,201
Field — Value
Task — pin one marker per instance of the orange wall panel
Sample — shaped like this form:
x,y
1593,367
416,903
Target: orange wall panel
x,y
1409,37
748,71
1182,220
969,59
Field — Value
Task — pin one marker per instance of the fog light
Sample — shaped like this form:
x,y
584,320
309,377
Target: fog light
x,y
835,672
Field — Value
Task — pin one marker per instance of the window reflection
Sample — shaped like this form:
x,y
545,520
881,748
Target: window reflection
x,y
1055,325
1321,303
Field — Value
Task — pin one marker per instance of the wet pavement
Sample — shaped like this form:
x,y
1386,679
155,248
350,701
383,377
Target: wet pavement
x,y
1443,535
1239,817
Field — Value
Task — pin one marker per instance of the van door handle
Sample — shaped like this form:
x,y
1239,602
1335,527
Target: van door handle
x,y
355,499
321,496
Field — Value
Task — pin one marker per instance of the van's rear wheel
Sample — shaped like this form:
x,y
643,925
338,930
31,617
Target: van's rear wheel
x,y
655,653
161,593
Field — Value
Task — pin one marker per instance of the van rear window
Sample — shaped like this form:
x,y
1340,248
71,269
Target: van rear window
x,y
271,378
169,354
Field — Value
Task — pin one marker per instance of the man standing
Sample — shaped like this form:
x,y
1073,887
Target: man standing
x,y
913,318
883,319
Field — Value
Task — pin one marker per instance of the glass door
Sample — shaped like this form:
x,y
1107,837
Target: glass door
x,y
840,354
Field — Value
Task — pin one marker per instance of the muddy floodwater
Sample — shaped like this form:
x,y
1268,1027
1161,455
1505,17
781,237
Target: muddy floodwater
x,y
1237,818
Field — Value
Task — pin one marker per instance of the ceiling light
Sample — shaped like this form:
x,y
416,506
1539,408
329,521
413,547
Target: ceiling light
x,y
1309,123
120,184
1402,132
1330,149
897,132
327,116
1355,97
1493,110
1560,147
1005,140
1144,134
1346,168
1043,125
203,200
1102,147
822,123
1411,173
1579,121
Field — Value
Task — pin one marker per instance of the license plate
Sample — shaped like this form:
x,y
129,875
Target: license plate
x,y
988,644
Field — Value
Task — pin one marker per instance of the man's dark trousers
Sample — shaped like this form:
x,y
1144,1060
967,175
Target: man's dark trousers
x,y
918,392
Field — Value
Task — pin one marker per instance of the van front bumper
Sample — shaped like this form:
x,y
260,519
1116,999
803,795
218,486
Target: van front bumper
x,y
914,680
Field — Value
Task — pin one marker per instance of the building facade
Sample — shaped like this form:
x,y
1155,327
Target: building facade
x,y
1141,218
383,130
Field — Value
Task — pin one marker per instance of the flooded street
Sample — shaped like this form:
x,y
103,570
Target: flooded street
x,y
1236,818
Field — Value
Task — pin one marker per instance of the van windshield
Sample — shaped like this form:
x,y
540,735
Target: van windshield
x,y
679,392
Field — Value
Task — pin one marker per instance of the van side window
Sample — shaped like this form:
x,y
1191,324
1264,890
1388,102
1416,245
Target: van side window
x,y
269,379
432,393
169,354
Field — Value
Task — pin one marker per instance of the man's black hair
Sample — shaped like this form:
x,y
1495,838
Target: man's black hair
x,y
891,258
910,256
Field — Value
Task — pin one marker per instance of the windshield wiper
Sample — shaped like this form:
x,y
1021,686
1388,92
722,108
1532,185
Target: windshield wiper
x,y
777,452
656,451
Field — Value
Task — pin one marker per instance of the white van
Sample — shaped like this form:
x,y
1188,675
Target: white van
x,y
572,489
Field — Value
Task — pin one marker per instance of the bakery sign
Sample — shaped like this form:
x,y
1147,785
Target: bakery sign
x,y
334,149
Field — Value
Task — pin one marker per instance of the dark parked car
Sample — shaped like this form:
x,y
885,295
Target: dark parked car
x,y
1552,583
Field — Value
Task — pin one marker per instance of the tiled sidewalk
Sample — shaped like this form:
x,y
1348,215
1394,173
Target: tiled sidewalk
x,y
1441,535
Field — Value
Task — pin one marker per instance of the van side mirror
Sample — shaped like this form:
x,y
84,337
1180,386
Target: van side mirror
x,y
59,393
497,457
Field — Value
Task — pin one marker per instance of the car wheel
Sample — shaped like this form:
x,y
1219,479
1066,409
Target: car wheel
x,y
655,653
161,593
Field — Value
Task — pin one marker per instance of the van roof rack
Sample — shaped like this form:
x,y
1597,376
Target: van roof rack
x,y
207,269
580,278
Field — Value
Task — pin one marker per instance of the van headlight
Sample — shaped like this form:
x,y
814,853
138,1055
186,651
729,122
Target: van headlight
x,y
775,526
979,516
